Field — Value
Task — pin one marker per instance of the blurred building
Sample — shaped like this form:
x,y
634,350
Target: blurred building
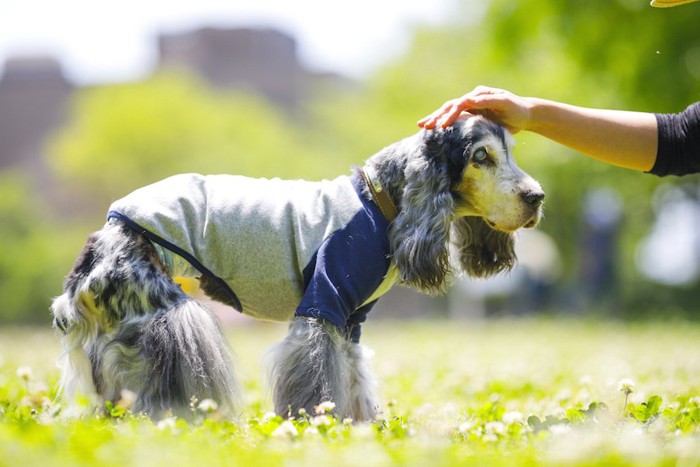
x,y
261,61
34,99
35,95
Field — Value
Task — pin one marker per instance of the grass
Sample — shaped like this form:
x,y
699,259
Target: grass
x,y
514,392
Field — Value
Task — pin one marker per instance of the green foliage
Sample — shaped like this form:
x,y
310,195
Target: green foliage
x,y
33,254
497,405
646,411
128,135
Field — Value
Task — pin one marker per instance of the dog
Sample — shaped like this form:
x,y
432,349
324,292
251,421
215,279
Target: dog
x,y
318,254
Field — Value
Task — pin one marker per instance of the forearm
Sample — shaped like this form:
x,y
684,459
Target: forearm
x,y
626,139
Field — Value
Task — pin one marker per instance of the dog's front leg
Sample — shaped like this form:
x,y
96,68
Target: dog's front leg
x,y
363,385
311,365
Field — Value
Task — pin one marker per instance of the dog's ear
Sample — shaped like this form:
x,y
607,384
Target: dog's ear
x,y
420,234
480,250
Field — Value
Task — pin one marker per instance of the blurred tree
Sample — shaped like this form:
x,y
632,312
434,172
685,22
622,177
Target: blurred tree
x,y
33,252
125,136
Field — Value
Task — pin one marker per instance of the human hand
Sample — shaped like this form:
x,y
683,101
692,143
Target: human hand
x,y
498,105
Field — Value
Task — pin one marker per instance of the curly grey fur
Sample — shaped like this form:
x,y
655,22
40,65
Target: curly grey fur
x,y
311,366
364,402
482,251
315,363
127,326
416,174
420,234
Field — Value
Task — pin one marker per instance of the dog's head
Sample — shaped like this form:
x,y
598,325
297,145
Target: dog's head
x,y
461,188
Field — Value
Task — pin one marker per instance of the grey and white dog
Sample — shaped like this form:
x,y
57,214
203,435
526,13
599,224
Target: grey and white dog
x,y
318,254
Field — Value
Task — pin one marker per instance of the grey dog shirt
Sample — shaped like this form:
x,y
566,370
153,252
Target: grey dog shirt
x,y
281,247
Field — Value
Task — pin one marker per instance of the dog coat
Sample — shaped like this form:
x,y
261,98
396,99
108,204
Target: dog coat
x,y
277,247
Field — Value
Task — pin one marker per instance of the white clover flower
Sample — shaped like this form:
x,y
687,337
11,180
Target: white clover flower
x,y
127,398
324,407
495,428
40,388
626,385
24,373
321,420
466,426
363,431
347,421
694,401
286,430
673,405
585,380
268,416
563,395
35,401
208,406
166,424
510,418
559,429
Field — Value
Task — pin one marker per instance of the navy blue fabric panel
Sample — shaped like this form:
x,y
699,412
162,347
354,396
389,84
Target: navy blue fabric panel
x,y
178,251
348,268
353,328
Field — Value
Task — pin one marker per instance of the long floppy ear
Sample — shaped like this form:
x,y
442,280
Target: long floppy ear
x,y
480,250
420,234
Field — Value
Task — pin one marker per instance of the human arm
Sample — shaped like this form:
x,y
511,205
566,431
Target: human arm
x,y
622,138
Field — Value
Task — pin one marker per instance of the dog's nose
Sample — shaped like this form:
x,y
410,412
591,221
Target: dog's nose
x,y
532,197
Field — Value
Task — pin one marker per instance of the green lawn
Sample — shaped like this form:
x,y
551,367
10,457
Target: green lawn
x,y
514,392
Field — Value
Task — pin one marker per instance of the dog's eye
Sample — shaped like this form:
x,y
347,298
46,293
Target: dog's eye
x,y
480,155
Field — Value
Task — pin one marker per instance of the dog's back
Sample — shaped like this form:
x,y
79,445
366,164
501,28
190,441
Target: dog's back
x,y
257,235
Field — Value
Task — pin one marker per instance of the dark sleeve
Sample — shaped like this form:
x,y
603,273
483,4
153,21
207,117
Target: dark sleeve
x,y
345,271
679,143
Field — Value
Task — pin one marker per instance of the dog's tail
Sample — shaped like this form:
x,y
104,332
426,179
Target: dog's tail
x,y
191,361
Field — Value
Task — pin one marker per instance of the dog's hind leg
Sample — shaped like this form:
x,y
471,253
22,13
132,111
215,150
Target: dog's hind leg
x,y
127,326
77,318
188,357
311,366
76,368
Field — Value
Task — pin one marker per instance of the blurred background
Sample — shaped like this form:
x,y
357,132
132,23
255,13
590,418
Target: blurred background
x,y
98,99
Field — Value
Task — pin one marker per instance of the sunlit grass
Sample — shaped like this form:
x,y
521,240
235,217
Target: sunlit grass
x,y
513,392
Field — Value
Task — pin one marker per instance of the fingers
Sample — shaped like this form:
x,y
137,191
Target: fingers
x,y
450,111
431,121
497,105
444,116
428,122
